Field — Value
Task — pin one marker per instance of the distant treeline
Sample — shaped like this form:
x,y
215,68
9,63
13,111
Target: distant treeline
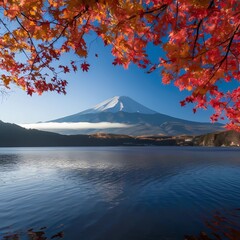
x,y
12,135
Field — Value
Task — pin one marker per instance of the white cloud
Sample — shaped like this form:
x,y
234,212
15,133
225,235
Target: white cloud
x,y
74,125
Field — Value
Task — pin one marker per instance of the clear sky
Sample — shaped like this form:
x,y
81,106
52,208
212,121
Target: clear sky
x,y
103,81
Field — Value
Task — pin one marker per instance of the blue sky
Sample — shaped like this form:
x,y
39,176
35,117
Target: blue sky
x,y
103,81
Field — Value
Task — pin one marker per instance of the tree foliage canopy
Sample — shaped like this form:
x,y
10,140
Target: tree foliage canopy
x,y
201,39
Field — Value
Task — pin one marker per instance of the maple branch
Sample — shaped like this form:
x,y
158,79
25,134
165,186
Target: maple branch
x,y
225,56
37,53
5,25
236,57
195,42
148,30
52,43
199,54
32,43
90,44
218,45
68,23
211,4
222,61
203,52
39,22
176,15
28,33
162,8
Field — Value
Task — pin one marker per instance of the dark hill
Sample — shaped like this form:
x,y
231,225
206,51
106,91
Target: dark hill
x,y
12,135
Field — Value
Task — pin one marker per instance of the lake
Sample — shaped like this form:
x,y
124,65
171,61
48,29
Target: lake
x,y
116,193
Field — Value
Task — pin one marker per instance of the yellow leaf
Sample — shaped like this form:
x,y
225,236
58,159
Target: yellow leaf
x,y
32,12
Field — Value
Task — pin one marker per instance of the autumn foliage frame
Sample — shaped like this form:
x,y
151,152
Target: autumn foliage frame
x,y
202,47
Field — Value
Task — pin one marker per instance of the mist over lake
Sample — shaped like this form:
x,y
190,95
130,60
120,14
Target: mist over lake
x,y
103,193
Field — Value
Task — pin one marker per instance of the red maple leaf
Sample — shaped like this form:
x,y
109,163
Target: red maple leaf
x,y
183,103
117,61
66,69
85,66
74,66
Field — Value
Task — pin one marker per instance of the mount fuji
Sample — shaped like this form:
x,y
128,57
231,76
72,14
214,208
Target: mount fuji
x,y
123,115
115,105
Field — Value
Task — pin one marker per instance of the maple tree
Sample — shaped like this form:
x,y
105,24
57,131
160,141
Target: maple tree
x,y
201,39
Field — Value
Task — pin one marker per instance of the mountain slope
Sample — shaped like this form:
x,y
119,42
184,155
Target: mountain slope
x,y
117,104
141,120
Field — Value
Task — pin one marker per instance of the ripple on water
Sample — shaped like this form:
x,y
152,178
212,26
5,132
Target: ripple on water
x,y
116,193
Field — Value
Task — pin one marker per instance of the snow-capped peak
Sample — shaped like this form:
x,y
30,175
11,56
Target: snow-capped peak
x,y
118,104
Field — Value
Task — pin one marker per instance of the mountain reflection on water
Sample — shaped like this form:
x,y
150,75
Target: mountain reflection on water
x,y
116,192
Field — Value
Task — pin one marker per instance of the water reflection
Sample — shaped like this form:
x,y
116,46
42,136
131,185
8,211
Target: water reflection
x,y
117,193
222,225
9,162
35,235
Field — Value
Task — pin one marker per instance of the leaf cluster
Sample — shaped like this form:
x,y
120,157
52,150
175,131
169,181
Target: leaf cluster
x,y
201,40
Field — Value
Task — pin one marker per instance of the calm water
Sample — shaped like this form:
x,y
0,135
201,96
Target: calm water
x,y
116,193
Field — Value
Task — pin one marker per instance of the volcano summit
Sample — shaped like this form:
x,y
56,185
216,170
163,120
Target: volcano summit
x,y
123,115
